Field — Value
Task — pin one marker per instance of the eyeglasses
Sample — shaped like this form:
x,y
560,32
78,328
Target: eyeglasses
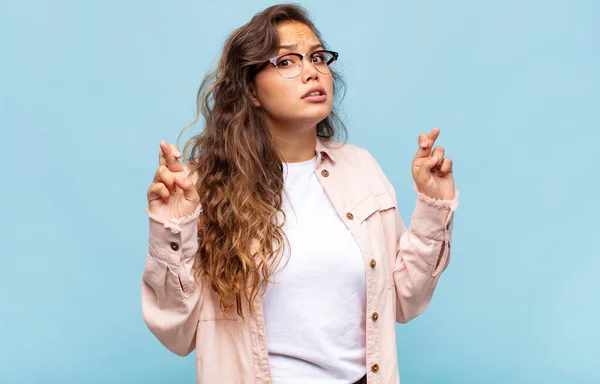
x,y
290,65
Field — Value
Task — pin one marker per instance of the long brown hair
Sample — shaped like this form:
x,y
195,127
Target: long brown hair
x,y
240,173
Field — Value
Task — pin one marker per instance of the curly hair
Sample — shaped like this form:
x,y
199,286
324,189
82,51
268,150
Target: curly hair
x,y
240,173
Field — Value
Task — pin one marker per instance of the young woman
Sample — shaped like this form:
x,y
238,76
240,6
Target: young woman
x,y
276,252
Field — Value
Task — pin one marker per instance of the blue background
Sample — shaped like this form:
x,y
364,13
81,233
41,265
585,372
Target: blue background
x,y
88,89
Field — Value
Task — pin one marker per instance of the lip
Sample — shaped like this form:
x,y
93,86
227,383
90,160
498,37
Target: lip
x,y
315,99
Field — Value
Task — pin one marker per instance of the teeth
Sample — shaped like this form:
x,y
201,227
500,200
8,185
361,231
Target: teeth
x,y
316,93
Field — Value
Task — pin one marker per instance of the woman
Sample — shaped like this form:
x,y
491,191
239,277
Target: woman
x,y
276,252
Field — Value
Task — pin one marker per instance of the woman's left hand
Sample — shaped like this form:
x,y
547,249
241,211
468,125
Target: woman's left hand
x,y
431,171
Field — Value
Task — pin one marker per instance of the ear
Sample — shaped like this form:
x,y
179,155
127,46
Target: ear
x,y
254,98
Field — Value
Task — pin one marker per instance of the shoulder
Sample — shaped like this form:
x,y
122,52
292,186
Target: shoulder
x,y
352,154
348,151
357,161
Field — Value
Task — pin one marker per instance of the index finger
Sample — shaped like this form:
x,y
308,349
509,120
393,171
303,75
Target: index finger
x,y
433,135
170,161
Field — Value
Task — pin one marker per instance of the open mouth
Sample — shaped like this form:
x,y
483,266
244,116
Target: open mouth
x,y
314,92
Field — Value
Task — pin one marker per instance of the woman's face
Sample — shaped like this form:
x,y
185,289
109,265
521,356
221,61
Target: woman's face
x,y
284,100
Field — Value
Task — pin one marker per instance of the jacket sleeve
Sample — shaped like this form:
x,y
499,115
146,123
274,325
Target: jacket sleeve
x,y
171,298
423,253
422,250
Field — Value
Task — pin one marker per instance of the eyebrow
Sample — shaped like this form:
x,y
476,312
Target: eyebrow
x,y
290,46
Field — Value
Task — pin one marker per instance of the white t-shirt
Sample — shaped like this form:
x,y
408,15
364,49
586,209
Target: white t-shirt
x,y
315,314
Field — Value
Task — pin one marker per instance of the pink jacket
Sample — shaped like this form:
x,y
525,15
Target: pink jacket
x,y
402,268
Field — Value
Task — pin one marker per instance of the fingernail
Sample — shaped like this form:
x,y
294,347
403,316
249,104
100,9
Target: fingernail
x,y
423,144
177,153
434,159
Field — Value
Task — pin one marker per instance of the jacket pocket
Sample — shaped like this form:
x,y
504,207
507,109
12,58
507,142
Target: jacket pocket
x,y
375,213
371,204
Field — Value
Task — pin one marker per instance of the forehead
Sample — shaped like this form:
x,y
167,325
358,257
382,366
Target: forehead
x,y
293,33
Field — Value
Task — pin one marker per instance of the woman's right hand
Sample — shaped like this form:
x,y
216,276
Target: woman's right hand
x,y
173,193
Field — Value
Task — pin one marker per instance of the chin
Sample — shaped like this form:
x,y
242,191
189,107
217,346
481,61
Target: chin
x,y
317,113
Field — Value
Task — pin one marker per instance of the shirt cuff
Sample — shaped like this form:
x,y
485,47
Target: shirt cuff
x,y
433,218
437,203
175,224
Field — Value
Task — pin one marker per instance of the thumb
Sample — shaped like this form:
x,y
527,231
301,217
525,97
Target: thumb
x,y
187,186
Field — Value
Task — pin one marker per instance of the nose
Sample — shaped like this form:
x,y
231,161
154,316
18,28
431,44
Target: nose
x,y
309,71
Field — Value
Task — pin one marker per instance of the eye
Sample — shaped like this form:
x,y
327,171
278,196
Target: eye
x,y
319,58
283,63
286,61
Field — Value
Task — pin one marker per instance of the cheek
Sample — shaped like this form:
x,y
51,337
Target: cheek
x,y
273,93
330,91
328,85
279,92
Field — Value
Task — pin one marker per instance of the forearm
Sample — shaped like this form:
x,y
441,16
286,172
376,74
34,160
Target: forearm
x,y
170,296
423,254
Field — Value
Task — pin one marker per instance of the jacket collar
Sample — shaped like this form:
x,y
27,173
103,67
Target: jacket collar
x,y
322,149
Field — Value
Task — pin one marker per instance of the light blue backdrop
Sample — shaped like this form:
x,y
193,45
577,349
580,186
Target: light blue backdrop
x,y
88,89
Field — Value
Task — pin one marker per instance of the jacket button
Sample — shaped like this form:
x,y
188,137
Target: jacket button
x,y
375,316
175,246
374,368
373,263
349,216
324,173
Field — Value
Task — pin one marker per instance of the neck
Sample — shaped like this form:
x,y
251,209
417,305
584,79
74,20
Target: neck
x,y
295,144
